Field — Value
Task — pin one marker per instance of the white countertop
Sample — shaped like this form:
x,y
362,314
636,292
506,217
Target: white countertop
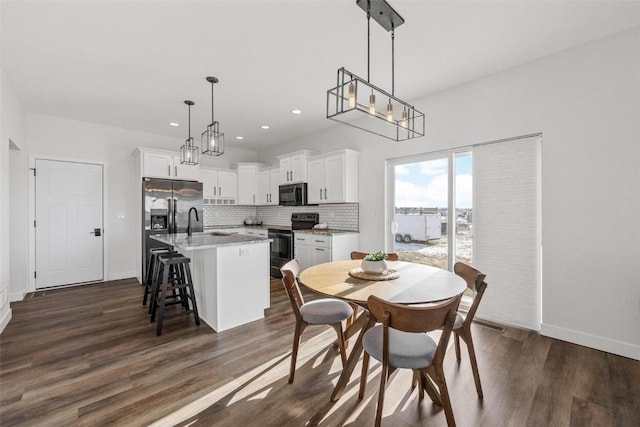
x,y
206,240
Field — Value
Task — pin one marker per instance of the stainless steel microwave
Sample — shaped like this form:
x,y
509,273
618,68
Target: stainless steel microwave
x,y
293,194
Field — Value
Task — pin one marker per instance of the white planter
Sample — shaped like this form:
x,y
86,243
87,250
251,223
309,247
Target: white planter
x,y
373,267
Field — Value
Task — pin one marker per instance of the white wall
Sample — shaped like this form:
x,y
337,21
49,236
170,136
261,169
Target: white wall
x,y
586,103
68,139
13,203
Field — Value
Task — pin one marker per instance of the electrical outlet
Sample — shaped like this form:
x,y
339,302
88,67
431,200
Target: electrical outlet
x,y
244,251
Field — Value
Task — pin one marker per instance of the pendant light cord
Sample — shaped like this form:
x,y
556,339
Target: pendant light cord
x,y
393,55
368,40
212,116
189,140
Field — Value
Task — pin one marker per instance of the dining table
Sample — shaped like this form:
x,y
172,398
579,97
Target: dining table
x,y
408,283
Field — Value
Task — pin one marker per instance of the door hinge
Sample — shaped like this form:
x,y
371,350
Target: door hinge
x,y
34,171
34,223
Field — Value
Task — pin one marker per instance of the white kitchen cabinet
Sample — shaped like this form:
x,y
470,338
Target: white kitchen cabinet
x,y
293,167
268,183
333,177
166,164
248,174
313,248
219,185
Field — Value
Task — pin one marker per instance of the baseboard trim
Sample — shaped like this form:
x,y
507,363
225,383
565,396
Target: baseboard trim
x,y
120,276
599,343
16,296
5,320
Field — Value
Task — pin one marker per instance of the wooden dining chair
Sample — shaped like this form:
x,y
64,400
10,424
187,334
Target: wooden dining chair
x,y
401,342
462,326
392,256
325,311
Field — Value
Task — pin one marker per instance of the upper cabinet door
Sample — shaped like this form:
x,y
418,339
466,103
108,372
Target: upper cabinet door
x,y
285,170
209,179
227,184
315,186
264,187
299,168
247,184
274,194
334,179
156,165
180,171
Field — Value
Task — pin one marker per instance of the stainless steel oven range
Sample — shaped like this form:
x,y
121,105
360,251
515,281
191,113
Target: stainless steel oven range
x,y
282,245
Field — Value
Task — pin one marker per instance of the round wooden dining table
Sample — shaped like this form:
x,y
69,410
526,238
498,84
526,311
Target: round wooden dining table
x,y
415,284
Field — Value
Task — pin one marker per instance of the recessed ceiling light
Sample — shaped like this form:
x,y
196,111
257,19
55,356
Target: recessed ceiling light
x,y
174,124
296,111
239,137
265,127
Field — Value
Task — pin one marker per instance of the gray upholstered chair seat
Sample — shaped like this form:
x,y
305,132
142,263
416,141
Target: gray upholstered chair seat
x,y
406,350
325,311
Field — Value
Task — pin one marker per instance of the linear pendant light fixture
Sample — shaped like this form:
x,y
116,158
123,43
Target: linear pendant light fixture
x,y
354,98
212,140
188,152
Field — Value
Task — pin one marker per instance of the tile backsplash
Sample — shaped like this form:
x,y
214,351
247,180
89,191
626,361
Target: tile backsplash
x,y
342,216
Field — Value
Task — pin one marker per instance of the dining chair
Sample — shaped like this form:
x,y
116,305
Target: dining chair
x,y
324,311
392,256
400,341
462,325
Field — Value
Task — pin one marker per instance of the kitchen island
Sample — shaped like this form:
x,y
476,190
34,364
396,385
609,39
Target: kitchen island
x,y
230,275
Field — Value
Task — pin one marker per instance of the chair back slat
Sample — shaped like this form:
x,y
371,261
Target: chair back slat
x,y
414,319
290,273
470,275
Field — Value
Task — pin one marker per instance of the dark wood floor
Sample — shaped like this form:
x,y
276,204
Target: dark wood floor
x,y
89,356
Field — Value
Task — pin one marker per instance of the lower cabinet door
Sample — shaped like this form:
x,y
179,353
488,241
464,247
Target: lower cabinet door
x,y
321,255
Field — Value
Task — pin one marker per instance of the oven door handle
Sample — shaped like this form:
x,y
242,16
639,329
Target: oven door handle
x,y
275,234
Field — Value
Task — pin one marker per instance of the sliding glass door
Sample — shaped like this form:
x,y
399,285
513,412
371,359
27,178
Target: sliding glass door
x,y
432,209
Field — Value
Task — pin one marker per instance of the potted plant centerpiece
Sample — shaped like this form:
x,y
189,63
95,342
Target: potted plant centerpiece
x,y
374,263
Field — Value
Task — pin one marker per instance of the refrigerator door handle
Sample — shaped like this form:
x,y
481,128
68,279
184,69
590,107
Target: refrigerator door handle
x,y
175,219
169,215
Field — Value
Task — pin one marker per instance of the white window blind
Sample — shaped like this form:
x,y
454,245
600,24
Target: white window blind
x,y
507,230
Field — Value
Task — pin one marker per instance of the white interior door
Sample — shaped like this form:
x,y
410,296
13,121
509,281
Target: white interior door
x,y
69,224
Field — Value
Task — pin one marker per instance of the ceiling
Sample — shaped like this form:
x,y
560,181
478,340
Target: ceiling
x,y
131,64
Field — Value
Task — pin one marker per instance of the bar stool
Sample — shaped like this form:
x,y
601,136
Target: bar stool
x,y
181,288
174,275
152,267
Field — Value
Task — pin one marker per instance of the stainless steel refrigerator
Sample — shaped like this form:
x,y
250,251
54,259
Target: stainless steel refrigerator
x,y
166,210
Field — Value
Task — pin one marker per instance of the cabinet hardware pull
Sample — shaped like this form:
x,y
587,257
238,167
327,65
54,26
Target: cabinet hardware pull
x,y
175,170
321,194
219,191
325,194
168,170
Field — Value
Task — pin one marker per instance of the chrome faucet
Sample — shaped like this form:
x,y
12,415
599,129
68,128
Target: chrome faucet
x,y
189,221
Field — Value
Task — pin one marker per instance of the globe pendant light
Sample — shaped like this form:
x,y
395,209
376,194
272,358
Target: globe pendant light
x,y
212,140
354,98
189,152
